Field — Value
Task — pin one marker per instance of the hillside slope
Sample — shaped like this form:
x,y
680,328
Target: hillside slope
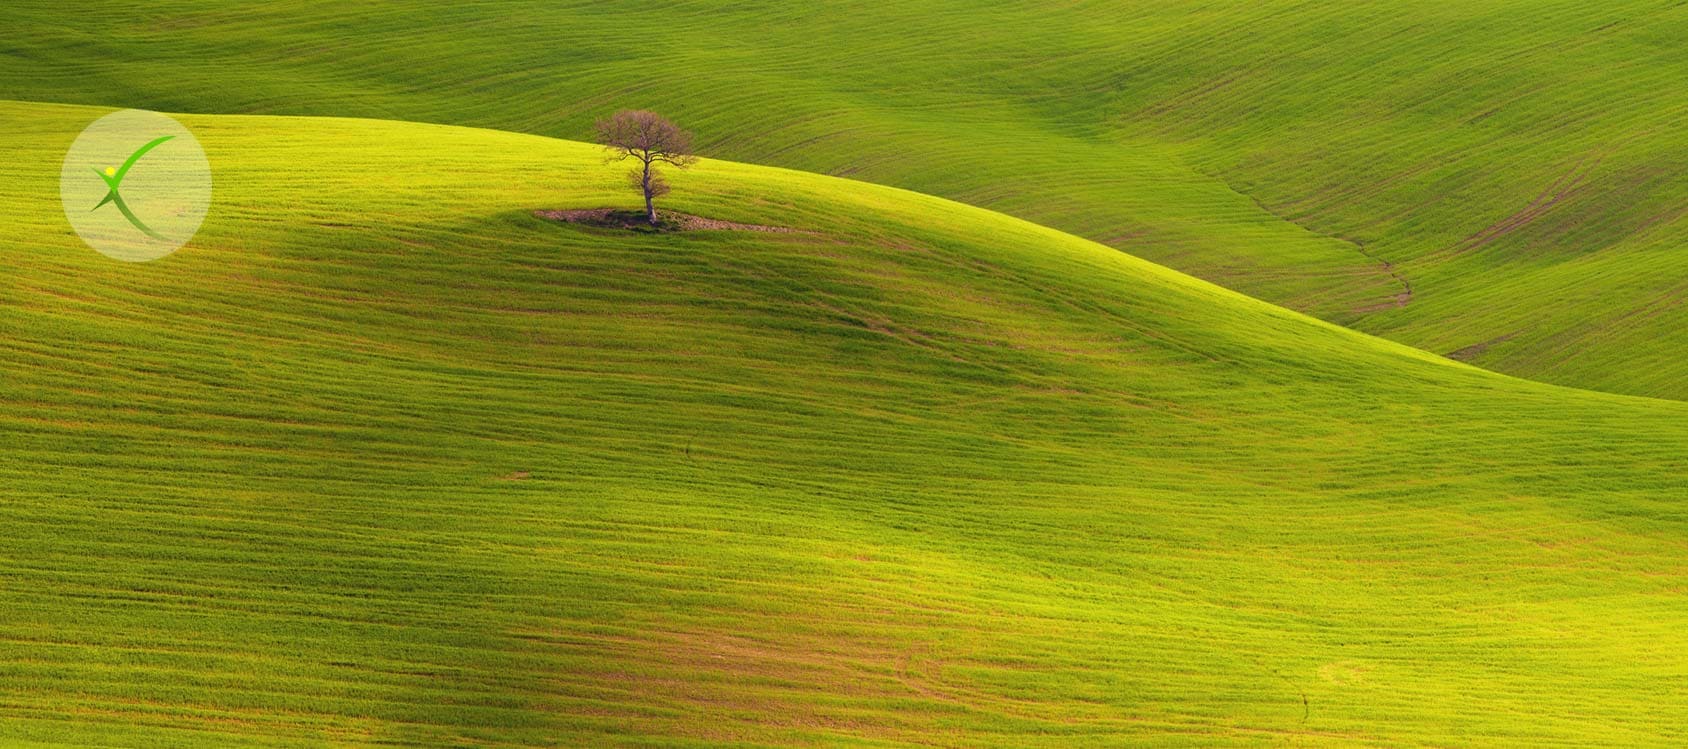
x,y
382,457
1494,180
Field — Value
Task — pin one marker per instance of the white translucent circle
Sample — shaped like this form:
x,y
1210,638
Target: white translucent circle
x,y
166,189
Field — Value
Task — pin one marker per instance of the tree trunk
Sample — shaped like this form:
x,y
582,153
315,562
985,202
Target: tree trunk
x,y
650,205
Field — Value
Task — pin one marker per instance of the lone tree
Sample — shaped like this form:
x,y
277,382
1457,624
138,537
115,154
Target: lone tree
x,y
646,136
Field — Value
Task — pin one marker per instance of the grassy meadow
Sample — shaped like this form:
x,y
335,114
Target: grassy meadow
x,y
1494,180
382,458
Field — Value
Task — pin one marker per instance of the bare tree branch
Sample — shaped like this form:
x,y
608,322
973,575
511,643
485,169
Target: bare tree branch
x,y
652,140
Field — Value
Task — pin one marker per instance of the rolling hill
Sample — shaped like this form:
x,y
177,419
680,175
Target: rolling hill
x,y
385,458
1498,181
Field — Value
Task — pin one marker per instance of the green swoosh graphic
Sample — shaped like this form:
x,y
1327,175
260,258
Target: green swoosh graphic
x,y
115,180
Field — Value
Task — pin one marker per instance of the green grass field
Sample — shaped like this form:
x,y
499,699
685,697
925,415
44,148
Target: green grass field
x,y
382,458
1515,163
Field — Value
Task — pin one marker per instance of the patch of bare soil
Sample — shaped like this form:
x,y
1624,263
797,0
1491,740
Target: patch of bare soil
x,y
610,218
